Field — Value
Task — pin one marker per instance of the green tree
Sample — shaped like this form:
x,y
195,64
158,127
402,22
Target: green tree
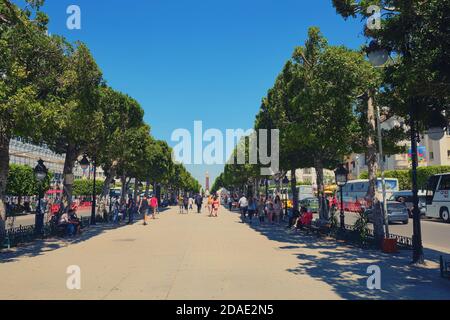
x,y
120,113
30,65
278,111
416,83
313,103
79,120
158,165
417,34
22,182
134,156
84,187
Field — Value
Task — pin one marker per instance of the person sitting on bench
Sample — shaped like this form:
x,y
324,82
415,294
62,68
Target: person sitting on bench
x,y
304,219
75,222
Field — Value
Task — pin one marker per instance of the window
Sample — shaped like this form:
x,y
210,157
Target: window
x,y
431,155
445,183
448,153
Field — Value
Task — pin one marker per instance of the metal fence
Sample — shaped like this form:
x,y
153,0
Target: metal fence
x,y
25,234
403,242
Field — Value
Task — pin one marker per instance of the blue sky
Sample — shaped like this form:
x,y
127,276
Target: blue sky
x,y
209,60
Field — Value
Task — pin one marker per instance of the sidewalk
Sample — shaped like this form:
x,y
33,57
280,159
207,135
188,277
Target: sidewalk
x,y
197,257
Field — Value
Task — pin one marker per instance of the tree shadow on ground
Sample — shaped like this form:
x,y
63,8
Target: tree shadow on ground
x,y
40,247
344,267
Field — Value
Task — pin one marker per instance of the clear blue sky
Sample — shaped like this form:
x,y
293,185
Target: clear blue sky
x,y
209,60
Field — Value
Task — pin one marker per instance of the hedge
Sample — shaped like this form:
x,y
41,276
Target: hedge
x,y
404,176
22,181
83,187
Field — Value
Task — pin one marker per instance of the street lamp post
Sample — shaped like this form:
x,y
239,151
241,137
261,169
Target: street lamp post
x,y
378,56
341,174
40,172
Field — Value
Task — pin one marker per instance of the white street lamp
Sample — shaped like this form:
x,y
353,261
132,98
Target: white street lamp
x,y
438,126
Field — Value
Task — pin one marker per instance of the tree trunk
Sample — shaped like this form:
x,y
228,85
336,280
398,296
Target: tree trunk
x,y
323,209
110,175
123,180
372,165
4,170
136,190
371,152
69,163
295,204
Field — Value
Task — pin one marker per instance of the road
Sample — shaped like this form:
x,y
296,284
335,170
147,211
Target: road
x,y
435,233
193,257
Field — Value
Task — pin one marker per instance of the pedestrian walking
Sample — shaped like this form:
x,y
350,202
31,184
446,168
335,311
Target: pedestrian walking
x,y
186,203
191,203
215,206
261,209
144,208
180,204
269,210
243,206
252,206
154,205
116,211
131,208
199,202
277,209
209,205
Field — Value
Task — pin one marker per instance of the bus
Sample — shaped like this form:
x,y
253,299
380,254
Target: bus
x,y
303,191
437,197
357,189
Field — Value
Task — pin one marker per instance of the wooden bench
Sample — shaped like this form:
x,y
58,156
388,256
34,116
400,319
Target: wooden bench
x,y
317,229
445,267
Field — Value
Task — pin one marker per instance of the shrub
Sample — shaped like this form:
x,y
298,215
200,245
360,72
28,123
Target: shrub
x,y
83,187
404,176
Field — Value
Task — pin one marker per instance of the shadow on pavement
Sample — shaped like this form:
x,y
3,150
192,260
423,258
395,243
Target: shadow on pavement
x,y
344,267
40,247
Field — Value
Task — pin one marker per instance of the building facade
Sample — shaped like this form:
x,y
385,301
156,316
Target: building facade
x,y
24,153
431,153
309,176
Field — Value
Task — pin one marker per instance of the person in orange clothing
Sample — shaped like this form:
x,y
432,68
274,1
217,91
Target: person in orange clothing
x,y
215,206
210,204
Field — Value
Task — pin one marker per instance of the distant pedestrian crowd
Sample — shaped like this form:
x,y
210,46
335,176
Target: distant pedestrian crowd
x,y
269,210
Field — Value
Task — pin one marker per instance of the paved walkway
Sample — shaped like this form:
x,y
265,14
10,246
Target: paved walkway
x,y
197,257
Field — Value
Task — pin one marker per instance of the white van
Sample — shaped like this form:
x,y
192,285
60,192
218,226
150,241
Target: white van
x,y
438,197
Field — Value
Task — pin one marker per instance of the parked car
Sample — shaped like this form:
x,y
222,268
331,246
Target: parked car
x,y
406,197
396,212
312,204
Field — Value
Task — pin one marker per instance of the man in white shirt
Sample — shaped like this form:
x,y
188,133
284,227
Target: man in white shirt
x,y
243,205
